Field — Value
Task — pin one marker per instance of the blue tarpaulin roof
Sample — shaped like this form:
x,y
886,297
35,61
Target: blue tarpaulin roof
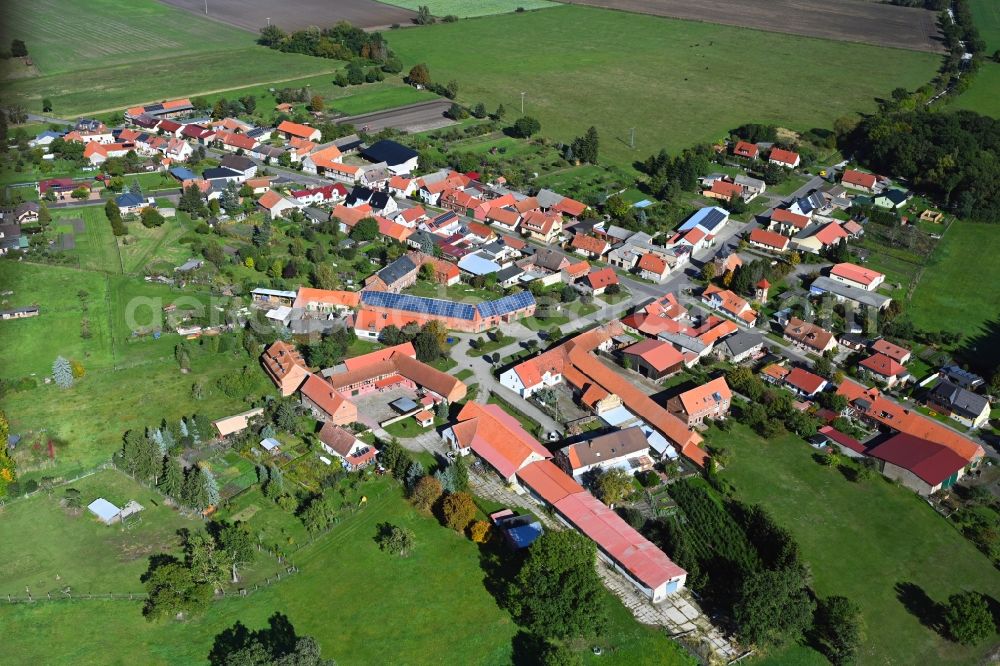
x,y
524,535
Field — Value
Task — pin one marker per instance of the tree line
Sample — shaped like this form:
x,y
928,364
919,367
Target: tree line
x,y
339,42
750,568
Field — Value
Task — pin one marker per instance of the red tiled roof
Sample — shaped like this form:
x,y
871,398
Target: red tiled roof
x,y
882,365
548,481
644,561
326,157
726,189
652,263
785,216
704,396
784,156
769,238
296,129
306,295
496,437
805,381
930,461
895,352
858,178
842,439
746,149
571,207
602,278
590,244
658,354
380,355
855,273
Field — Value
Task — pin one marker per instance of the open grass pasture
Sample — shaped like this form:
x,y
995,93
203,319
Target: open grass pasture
x,y
986,14
676,82
362,605
65,36
957,291
469,8
861,540
114,87
982,96
60,547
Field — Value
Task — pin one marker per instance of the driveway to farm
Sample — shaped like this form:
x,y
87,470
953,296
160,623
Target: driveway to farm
x,y
417,117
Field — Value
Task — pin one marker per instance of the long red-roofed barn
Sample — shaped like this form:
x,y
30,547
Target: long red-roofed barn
x,y
498,438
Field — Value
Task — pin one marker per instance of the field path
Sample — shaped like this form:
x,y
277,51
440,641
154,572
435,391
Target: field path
x,y
209,92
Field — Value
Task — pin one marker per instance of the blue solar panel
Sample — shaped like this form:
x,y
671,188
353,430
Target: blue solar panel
x,y
505,305
419,304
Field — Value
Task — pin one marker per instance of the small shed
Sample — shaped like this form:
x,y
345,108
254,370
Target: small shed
x,y
424,418
271,445
105,511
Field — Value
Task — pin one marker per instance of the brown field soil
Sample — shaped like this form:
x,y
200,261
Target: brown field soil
x,y
843,20
297,14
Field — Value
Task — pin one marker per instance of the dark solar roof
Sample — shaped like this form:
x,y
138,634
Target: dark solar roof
x,y
219,172
419,304
506,305
387,151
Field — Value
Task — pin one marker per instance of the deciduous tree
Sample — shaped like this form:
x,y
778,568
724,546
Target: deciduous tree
x,y
458,510
172,590
557,593
967,617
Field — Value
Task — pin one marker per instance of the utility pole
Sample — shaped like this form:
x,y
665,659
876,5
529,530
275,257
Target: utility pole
x,y
206,7
268,21
631,138
522,95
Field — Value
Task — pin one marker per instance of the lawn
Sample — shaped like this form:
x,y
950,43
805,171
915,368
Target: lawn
x,y
674,81
378,609
85,555
982,96
142,247
95,248
406,428
64,36
467,8
860,540
986,14
114,87
951,295
375,97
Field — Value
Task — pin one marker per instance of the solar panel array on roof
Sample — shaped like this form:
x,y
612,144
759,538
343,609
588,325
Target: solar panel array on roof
x,y
431,306
506,305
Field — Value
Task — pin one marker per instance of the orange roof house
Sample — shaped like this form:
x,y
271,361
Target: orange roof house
x,y
654,358
728,302
285,366
290,129
746,149
496,437
724,190
859,180
883,368
893,351
710,400
379,355
809,335
652,266
325,300
769,240
870,404
785,158
327,403
857,276
600,280
590,246
788,221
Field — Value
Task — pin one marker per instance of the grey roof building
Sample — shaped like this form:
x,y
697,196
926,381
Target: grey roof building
x,y
823,284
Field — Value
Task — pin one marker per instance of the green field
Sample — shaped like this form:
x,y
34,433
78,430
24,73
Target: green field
x,y
982,96
115,87
957,291
64,36
860,540
375,97
676,82
362,605
986,14
87,556
467,8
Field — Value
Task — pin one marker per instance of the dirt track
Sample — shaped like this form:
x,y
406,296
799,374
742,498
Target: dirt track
x,y
418,117
296,14
845,20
